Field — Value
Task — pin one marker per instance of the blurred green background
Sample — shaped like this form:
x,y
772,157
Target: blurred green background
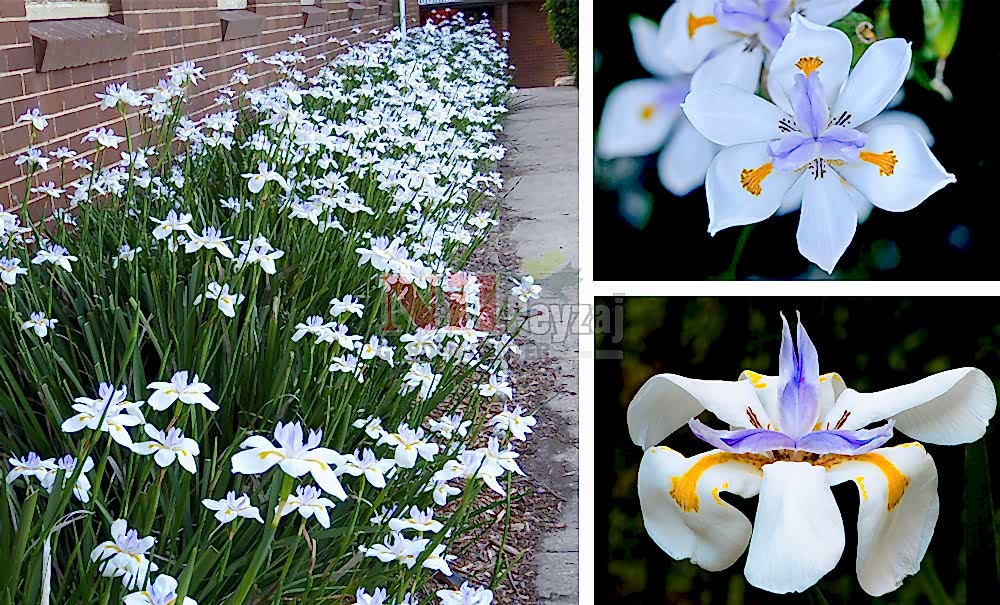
x,y
874,343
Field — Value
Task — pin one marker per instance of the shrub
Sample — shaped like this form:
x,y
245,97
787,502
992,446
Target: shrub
x,y
236,280
563,17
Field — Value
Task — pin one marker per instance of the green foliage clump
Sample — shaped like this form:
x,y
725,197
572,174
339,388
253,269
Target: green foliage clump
x,y
565,27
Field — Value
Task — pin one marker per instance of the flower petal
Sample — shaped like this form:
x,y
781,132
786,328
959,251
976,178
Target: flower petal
x,y
684,162
874,82
811,50
733,64
645,39
825,12
682,510
828,220
896,170
689,33
743,187
899,509
839,441
667,401
947,408
798,382
901,118
798,531
637,117
742,441
254,461
729,115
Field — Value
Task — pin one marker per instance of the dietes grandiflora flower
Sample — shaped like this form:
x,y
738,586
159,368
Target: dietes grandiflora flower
x,y
293,455
794,436
811,142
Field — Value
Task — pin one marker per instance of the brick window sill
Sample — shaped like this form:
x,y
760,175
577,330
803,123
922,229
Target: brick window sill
x,y
240,24
313,15
63,43
355,11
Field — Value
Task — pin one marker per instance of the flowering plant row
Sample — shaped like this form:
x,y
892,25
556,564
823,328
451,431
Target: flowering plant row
x,y
199,399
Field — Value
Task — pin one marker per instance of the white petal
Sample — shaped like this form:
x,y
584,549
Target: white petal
x,y
254,461
681,508
808,41
667,401
645,39
322,516
793,199
798,534
900,118
901,171
328,482
733,65
743,188
684,162
825,12
689,34
899,508
729,115
186,460
947,408
637,117
874,81
164,457
828,220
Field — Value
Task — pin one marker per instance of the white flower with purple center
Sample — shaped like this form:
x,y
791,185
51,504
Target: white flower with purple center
x,y
110,413
696,32
366,464
161,592
294,454
419,520
191,391
10,268
67,464
792,437
41,324
168,446
309,502
31,466
55,254
467,594
812,144
124,555
231,507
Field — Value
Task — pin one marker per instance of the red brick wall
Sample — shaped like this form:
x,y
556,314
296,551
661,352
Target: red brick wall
x,y
170,31
538,59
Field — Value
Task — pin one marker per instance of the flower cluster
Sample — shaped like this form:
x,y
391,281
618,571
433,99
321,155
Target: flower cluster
x,y
763,103
237,279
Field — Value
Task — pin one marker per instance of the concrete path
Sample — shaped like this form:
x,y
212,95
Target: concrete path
x,y
542,171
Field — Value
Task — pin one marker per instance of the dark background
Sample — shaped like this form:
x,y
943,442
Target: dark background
x,y
949,236
874,344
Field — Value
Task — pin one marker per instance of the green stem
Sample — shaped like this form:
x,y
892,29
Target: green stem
x,y
265,541
741,245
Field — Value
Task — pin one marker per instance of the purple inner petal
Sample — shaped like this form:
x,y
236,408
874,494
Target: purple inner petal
x,y
776,9
743,16
840,143
773,33
809,103
846,442
742,441
798,383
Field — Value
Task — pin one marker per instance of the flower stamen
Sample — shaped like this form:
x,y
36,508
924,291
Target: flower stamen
x,y
809,64
886,161
696,23
751,179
